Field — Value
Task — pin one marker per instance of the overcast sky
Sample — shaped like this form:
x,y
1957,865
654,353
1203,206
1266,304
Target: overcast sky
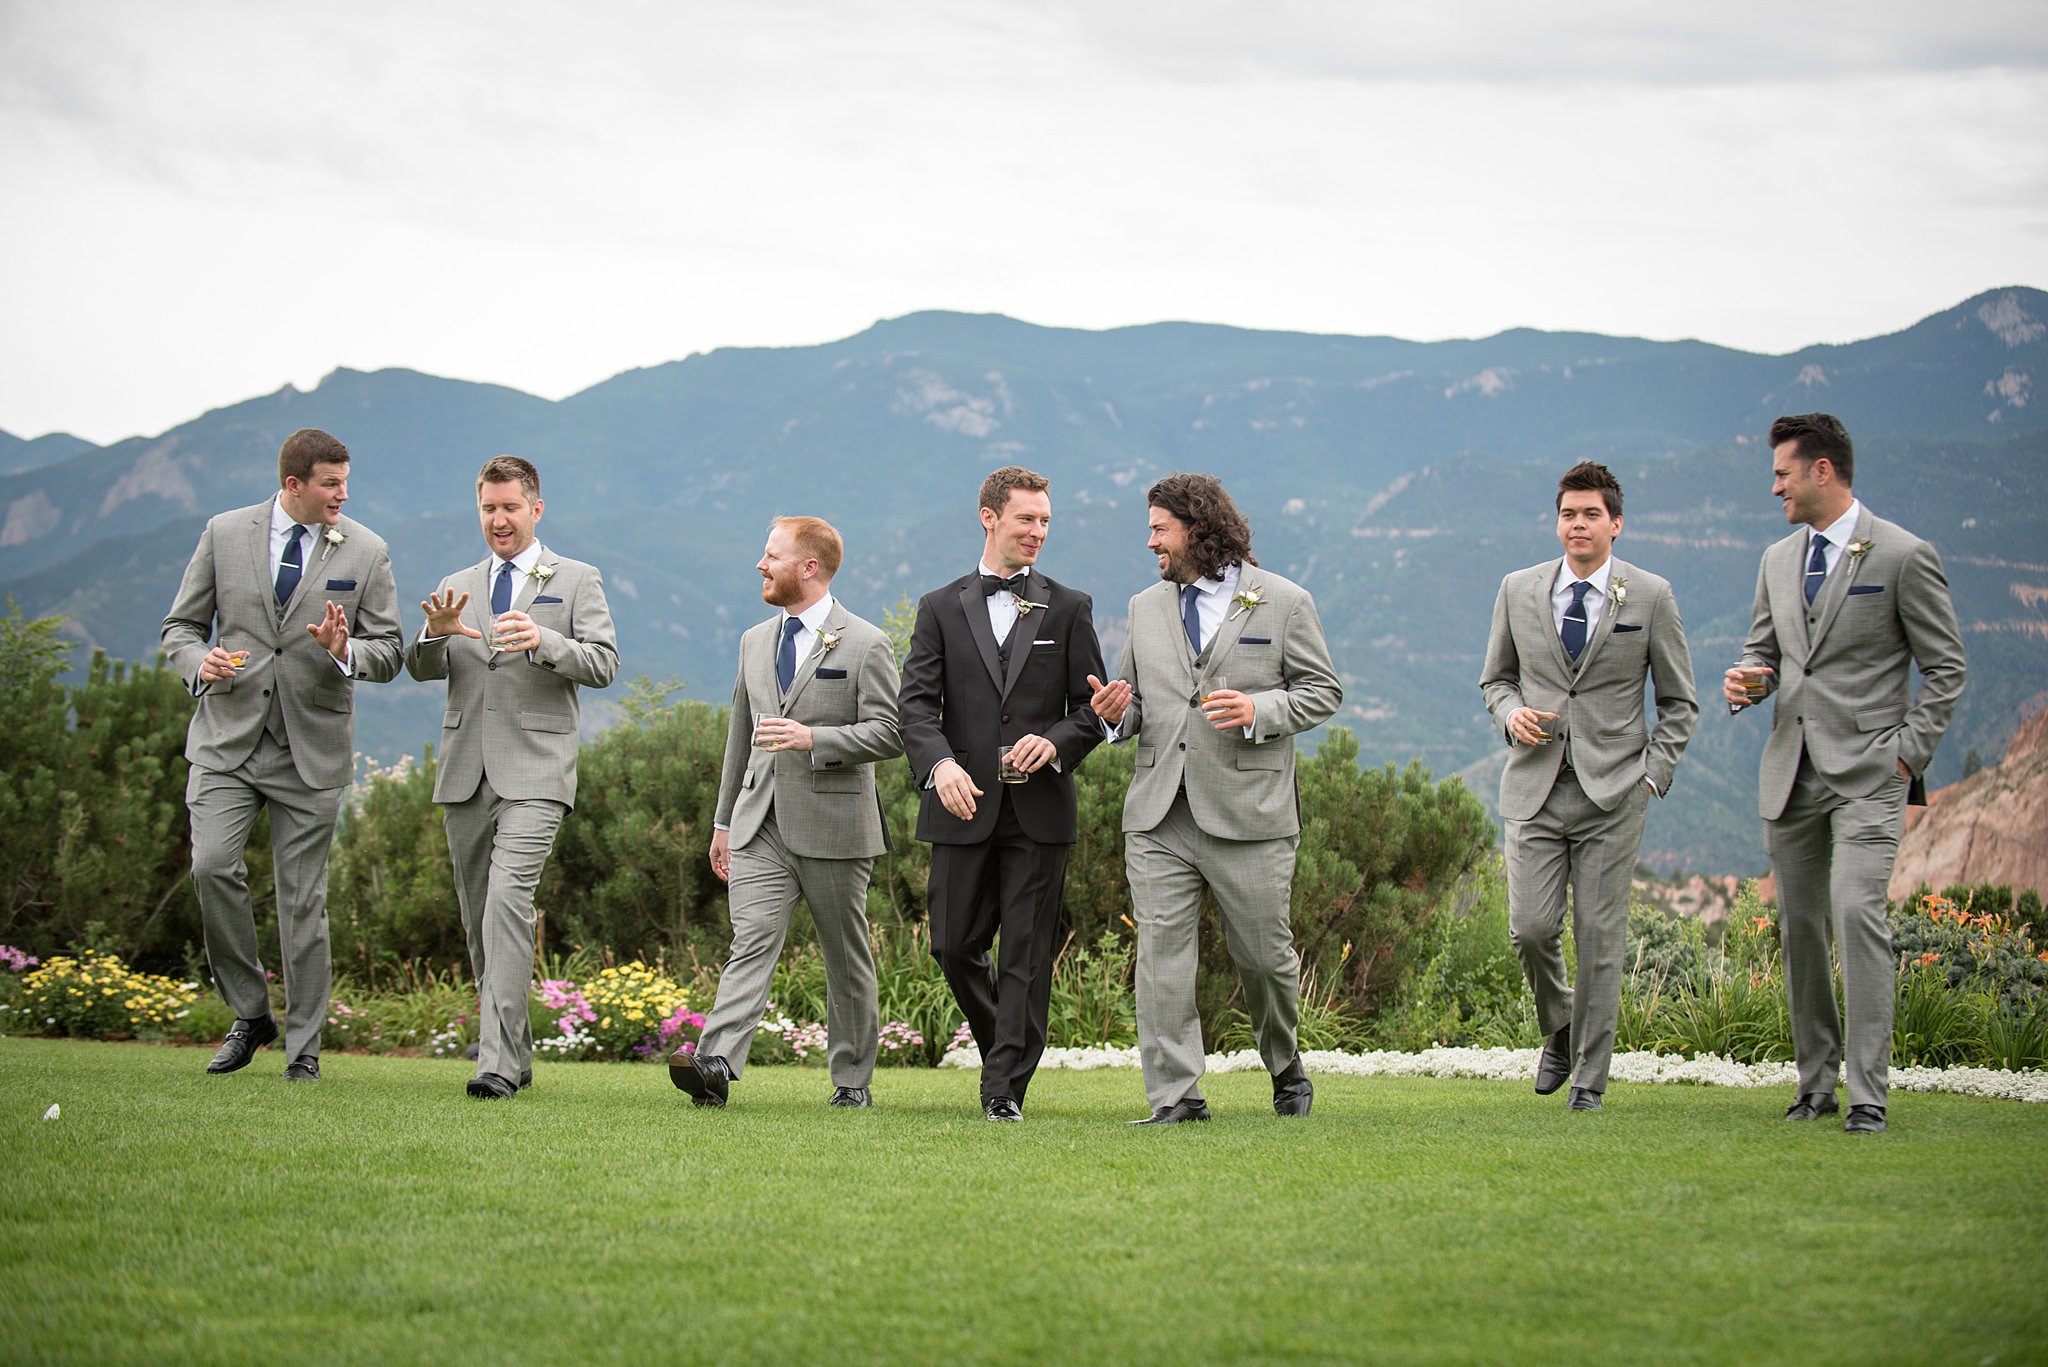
x,y
211,198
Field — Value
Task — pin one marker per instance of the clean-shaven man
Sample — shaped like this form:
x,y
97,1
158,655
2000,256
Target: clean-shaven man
x,y
284,606
1001,658
1571,643
813,711
517,636
1845,608
1225,663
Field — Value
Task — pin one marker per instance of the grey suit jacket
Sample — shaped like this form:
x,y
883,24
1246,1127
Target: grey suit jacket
x,y
826,805
1844,662
1599,700
1238,789
227,595
516,714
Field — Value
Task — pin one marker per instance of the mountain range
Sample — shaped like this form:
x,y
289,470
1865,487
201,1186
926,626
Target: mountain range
x,y
1398,480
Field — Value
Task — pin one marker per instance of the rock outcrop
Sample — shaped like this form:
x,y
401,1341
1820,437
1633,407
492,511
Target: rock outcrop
x,y
1990,828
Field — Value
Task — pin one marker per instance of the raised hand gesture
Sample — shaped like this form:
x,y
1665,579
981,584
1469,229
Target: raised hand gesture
x,y
444,615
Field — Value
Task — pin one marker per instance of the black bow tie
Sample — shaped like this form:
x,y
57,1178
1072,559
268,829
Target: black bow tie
x,y
991,585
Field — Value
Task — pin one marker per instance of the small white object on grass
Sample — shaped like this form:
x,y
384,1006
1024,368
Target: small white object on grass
x,y
52,1113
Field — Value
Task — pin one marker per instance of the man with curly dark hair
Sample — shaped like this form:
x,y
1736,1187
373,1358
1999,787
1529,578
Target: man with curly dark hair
x,y
1224,663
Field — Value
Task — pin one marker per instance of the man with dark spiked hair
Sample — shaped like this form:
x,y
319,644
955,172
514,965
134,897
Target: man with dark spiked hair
x,y
1571,643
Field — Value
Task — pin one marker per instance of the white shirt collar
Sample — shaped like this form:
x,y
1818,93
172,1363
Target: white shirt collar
x,y
522,563
1222,583
1598,578
813,617
1843,529
281,523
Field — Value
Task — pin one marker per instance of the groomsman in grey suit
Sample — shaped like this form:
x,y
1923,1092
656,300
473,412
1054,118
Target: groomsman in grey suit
x,y
1571,641
813,710
1225,662
283,607
516,635
1844,609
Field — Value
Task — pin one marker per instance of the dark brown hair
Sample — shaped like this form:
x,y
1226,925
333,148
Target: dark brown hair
x,y
304,449
1587,476
995,490
505,469
1218,535
1818,435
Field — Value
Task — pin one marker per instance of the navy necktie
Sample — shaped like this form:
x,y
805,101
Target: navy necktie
x,y
1816,567
1574,631
1191,616
501,592
291,567
785,654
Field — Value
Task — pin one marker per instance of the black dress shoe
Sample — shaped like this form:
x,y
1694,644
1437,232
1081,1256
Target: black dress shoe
x,y
1555,1063
1291,1090
304,1068
1583,1099
1864,1120
1187,1108
1002,1108
244,1039
856,1098
491,1087
707,1080
1812,1104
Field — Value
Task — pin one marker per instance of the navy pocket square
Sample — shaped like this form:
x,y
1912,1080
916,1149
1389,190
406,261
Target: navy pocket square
x,y
1620,626
831,673
1255,640
544,598
1866,588
340,585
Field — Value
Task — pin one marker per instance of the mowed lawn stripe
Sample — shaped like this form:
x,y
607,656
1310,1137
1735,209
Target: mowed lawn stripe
x,y
383,1215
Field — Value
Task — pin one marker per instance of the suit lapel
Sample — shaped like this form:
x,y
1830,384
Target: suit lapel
x,y
1021,632
1235,620
1616,573
1164,604
757,663
309,564
807,667
975,605
528,587
476,582
259,553
1836,587
1539,602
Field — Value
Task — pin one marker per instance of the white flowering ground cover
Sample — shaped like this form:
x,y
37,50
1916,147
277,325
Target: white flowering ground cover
x,y
1519,1065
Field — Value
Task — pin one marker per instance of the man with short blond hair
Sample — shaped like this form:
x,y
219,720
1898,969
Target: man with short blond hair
x,y
813,710
273,658
540,631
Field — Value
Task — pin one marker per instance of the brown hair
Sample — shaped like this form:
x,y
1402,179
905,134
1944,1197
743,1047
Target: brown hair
x,y
815,539
1218,535
995,490
304,449
1590,476
1819,435
505,469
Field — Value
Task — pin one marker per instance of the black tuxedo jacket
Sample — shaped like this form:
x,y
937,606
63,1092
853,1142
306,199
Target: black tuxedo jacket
x,y
958,702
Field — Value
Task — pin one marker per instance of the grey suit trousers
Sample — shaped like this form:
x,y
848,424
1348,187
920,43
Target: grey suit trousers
x,y
1168,867
499,847
224,807
1571,844
1833,856
762,893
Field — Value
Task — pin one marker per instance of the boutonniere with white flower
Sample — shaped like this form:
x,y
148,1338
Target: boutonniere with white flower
x,y
335,536
1244,601
1618,591
827,641
540,574
1025,607
1858,548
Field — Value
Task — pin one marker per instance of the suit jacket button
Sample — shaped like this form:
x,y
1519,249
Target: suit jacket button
x,y
1183,745
1006,718
1573,693
278,651
492,665
266,692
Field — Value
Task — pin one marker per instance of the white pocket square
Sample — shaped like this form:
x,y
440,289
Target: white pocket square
x,y
1045,643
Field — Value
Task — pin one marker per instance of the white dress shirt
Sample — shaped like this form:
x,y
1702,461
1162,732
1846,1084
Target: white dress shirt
x,y
1596,597
1839,533
310,545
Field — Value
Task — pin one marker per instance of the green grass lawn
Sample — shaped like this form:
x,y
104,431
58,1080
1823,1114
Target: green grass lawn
x,y
383,1216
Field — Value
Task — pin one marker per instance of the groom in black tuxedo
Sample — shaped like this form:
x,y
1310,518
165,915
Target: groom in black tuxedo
x,y
1000,657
